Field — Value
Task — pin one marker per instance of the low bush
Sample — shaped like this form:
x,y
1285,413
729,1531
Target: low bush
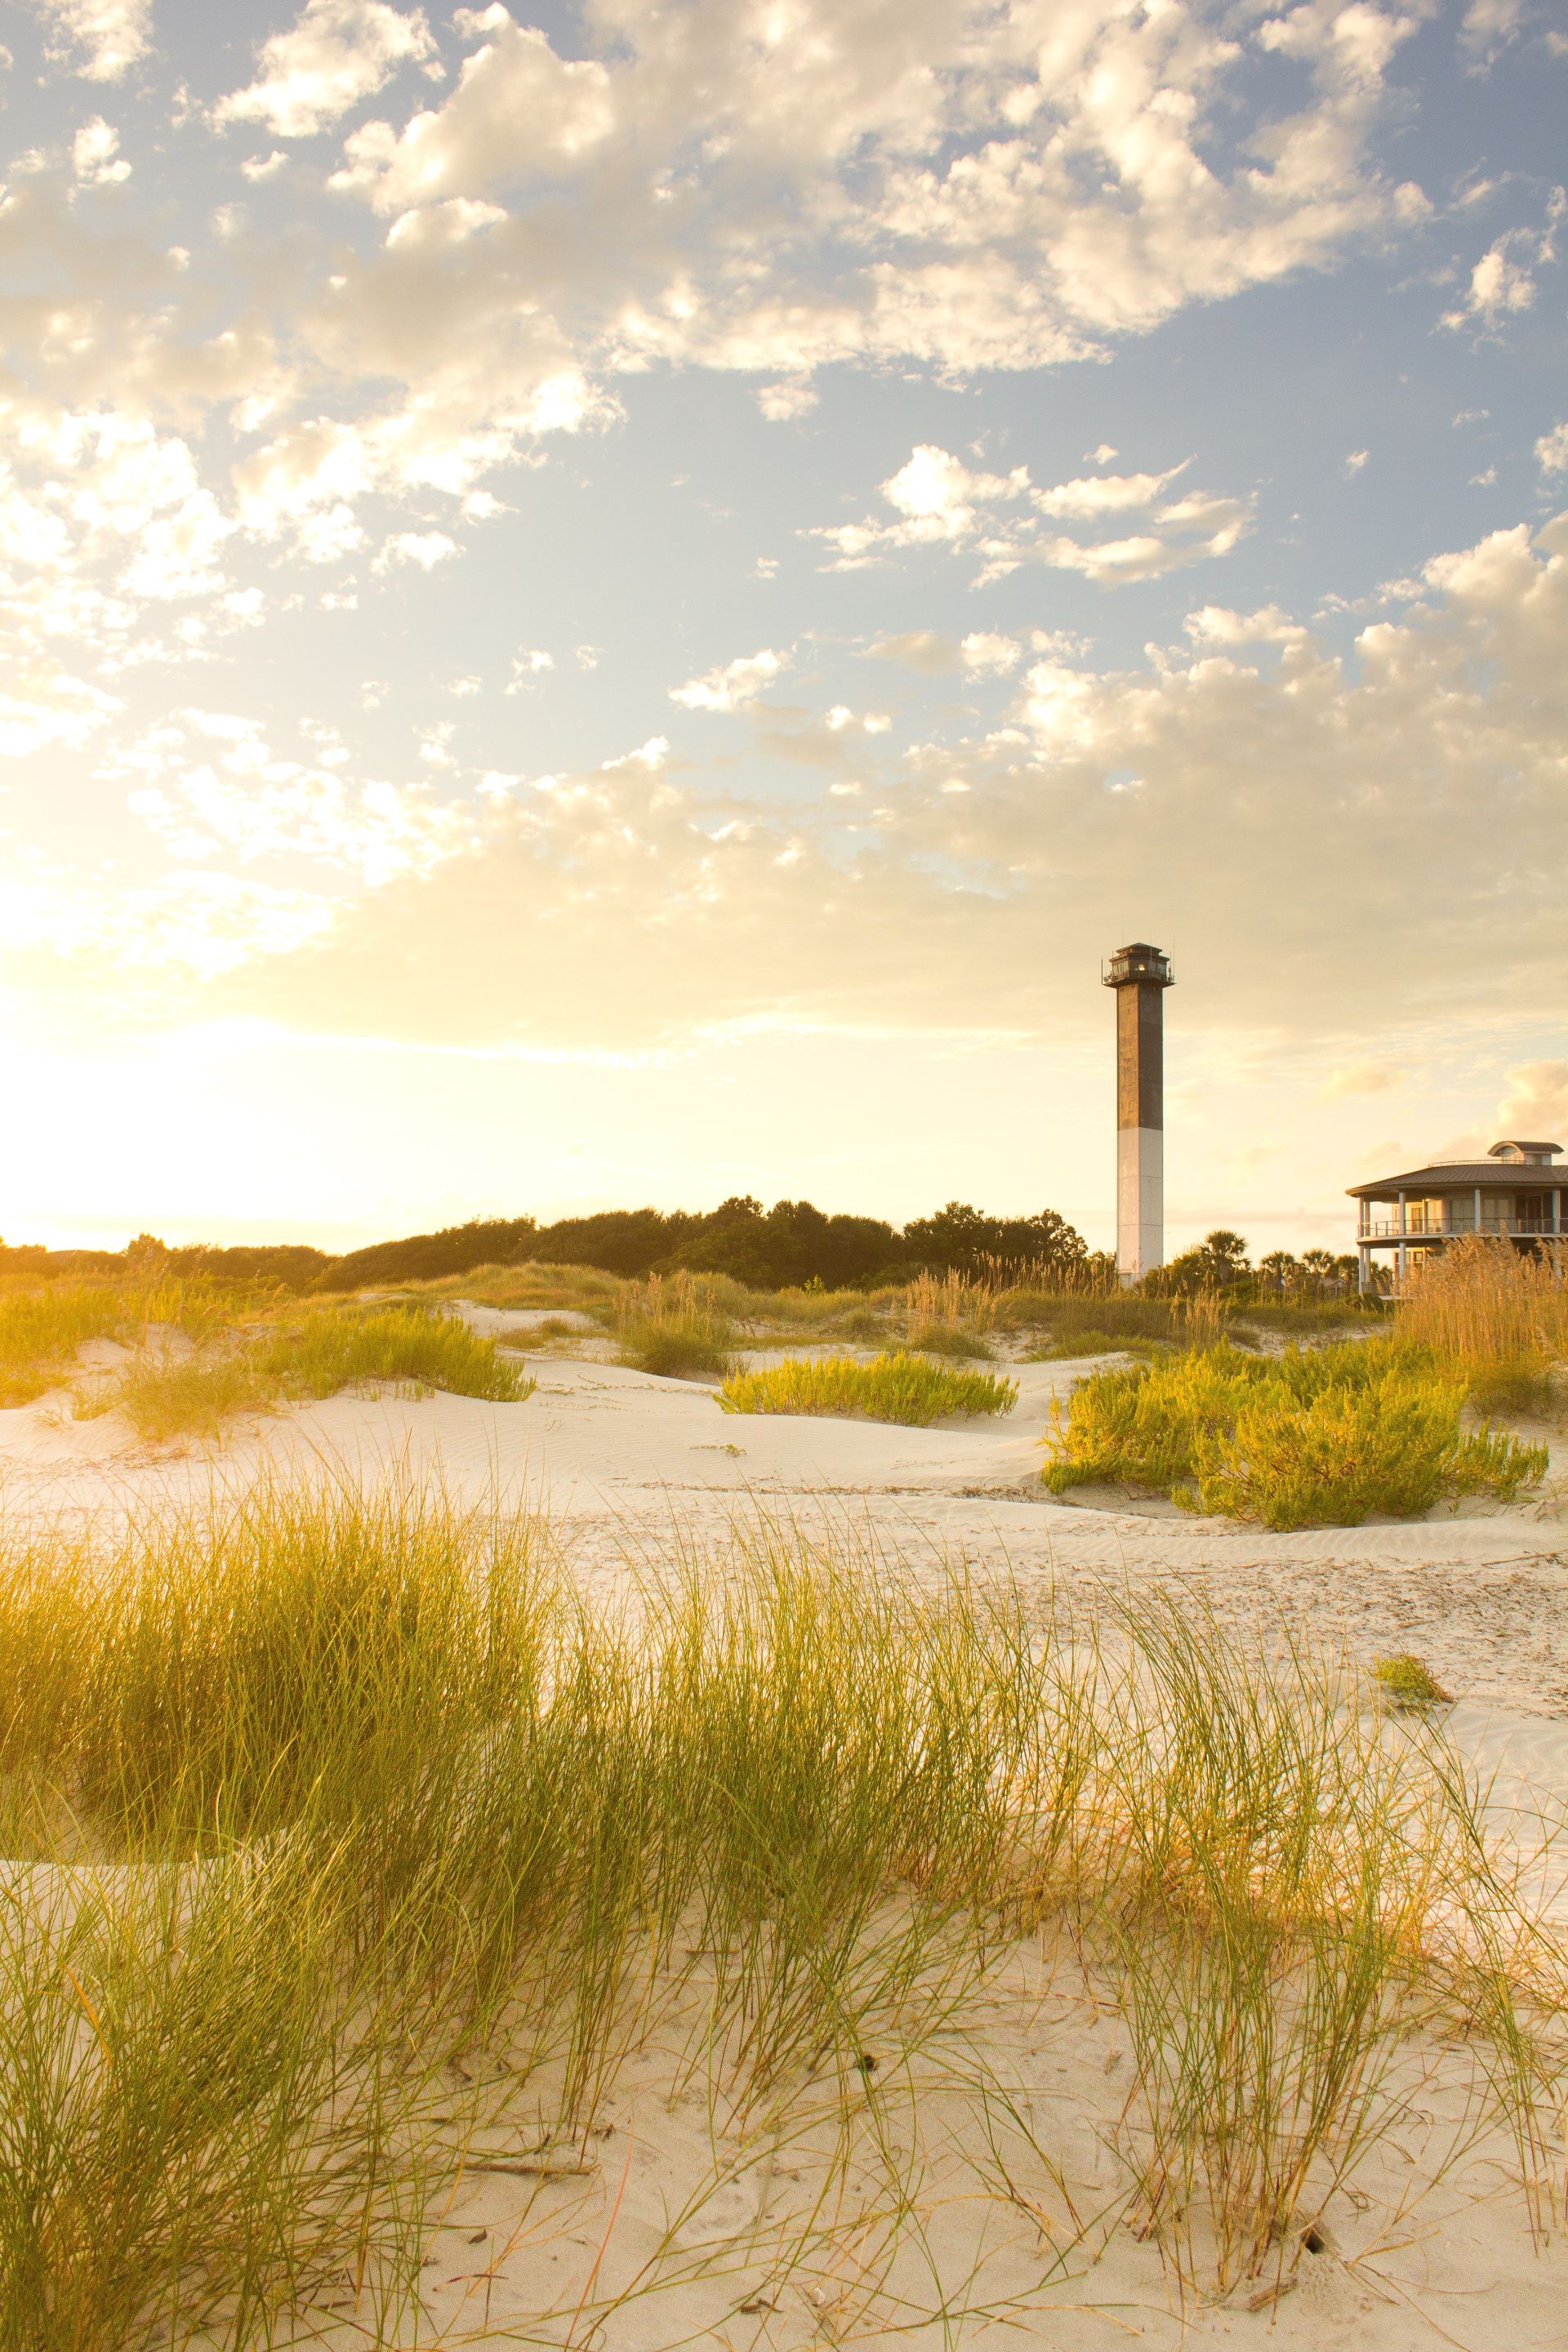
x,y
898,1387
1316,1437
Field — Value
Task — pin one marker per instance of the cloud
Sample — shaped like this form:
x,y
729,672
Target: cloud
x,y
925,651
1355,461
1269,811
987,654
247,802
1535,1104
732,687
1551,450
733,188
423,549
94,159
941,501
1215,624
336,53
102,39
1503,282
519,110
1361,1078
780,402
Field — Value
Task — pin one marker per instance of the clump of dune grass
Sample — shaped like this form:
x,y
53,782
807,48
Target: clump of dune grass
x,y
1088,1342
676,1327
937,1339
1323,1436
316,1791
1494,1315
408,1344
894,1387
165,1396
1405,1680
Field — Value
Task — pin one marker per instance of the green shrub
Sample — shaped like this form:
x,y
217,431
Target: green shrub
x,y
1316,1437
898,1387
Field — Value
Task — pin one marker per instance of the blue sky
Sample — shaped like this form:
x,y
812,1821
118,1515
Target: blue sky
x,y
619,605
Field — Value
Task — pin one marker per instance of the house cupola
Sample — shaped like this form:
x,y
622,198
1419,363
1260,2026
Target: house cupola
x,y
1526,1155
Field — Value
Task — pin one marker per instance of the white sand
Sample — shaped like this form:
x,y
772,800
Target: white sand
x,y
615,1455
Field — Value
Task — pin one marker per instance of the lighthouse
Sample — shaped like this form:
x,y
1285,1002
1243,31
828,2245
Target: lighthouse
x,y
1140,974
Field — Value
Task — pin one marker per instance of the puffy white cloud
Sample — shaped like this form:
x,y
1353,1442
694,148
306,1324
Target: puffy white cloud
x,y
942,502
519,110
336,53
1215,624
102,39
1503,282
985,653
733,687
95,159
423,549
1551,450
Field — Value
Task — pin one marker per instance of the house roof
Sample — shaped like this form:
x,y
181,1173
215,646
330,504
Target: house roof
x,y
1466,1176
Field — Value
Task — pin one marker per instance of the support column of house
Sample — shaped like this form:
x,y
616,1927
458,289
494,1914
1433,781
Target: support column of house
x,y
1477,1208
1403,1256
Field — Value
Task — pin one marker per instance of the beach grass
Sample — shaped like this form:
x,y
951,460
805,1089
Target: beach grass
x,y
167,1392
679,1327
342,1828
1495,1316
897,1387
1316,1437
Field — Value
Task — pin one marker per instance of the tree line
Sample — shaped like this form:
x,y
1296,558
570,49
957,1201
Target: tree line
x,y
792,1243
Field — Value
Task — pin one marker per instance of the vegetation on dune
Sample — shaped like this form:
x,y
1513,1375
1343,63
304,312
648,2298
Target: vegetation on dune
x,y
675,1328
166,1394
318,1793
1495,1316
901,1388
408,1344
1407,1681
1315,1437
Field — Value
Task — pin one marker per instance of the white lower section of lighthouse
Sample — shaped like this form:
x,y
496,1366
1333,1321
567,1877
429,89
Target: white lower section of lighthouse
x,y
1139,1201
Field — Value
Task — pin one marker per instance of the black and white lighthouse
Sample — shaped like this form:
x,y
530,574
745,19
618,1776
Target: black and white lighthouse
x,y
1140,974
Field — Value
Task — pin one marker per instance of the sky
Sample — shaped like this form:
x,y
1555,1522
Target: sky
x,y
619,605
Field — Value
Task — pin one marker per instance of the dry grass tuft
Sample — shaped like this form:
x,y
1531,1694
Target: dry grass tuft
x,y
1494,1315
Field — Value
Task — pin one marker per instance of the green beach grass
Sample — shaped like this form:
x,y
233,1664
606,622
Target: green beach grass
x,y
896,1387
342,1832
